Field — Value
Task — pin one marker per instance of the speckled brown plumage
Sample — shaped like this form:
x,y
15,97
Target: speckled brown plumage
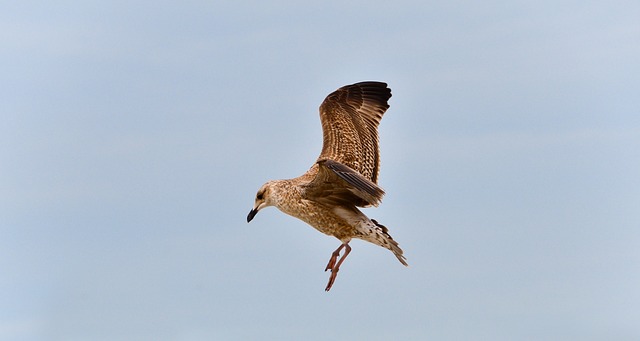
x,y
344,177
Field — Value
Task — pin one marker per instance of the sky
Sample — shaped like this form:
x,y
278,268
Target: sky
x,y
135,135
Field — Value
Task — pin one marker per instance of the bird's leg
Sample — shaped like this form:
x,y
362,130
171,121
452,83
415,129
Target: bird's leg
x,y
336,267
334,257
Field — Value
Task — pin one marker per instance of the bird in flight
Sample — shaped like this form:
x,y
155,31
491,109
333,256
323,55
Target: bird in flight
x,y
343,178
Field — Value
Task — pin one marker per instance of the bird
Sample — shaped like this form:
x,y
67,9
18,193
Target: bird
x,y
343,178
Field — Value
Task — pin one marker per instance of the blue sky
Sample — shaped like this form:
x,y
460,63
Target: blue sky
x,y
136,133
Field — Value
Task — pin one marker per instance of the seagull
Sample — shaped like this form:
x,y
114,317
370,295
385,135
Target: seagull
x,y
343,178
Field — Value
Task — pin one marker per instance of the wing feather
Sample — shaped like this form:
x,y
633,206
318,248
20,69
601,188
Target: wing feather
x,y
337,184
350,117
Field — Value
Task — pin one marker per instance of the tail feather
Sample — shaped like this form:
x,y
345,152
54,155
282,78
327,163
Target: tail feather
x,y
379,234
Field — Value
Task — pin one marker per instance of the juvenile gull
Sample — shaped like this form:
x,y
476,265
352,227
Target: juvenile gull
x,y
343,178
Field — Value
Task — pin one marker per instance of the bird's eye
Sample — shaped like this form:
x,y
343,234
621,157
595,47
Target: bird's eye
x,y
260,196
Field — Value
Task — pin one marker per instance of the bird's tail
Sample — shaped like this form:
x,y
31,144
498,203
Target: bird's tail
x,y
379,234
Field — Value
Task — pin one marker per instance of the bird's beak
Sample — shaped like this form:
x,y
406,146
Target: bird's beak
x,y
252,214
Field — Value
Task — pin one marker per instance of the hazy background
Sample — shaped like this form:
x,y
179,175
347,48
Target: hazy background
x,y
134,135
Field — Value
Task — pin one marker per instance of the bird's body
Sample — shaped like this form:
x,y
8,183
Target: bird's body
x,y
344,177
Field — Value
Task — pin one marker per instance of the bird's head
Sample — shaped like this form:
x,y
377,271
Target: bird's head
x,y
263,199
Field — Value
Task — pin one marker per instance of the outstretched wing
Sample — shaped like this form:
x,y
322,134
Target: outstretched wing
x,y
350,118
